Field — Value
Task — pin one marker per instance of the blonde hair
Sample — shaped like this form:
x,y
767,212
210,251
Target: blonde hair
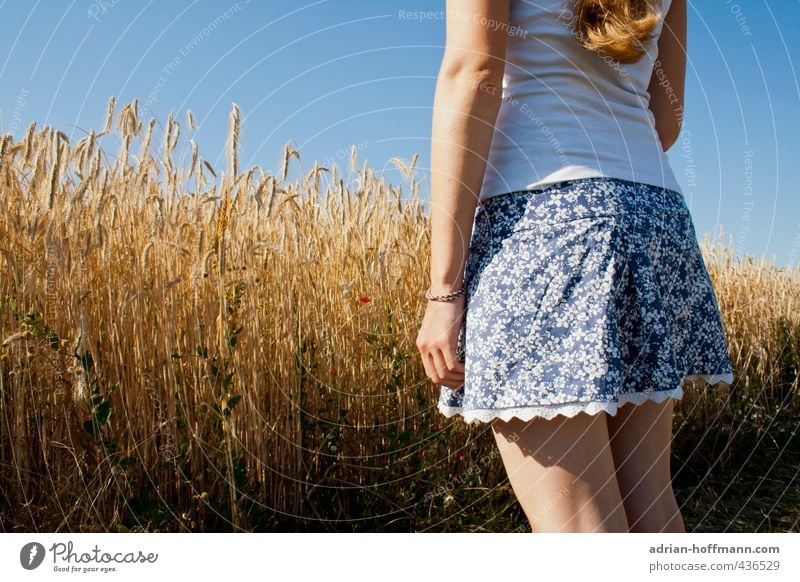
x,y
617,28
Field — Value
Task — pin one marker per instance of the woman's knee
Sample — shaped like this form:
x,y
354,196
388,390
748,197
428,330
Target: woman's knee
x,y
660,515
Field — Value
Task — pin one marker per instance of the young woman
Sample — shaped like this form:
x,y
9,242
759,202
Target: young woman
x,y
568,297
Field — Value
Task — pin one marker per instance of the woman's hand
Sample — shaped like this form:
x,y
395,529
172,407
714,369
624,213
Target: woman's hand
x,y
437,341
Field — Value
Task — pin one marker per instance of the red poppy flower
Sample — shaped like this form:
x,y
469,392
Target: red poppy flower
x,y
364,299
459,454
333,372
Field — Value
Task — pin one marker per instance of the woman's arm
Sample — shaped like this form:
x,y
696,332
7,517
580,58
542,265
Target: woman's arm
x,y
467,99
669,73
466,103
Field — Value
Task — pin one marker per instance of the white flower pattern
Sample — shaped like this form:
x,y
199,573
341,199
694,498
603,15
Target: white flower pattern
x,y
582,296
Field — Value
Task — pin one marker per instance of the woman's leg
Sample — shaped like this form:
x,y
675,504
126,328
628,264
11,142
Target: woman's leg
x,y
562,472
641,437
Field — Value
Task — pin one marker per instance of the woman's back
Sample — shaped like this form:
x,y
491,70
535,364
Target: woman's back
x,y
568,112
568,316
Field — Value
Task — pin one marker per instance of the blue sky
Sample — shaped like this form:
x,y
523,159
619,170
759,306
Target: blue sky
x,y
330,74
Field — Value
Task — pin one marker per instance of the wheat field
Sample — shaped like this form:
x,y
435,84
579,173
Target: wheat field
x,y
184,348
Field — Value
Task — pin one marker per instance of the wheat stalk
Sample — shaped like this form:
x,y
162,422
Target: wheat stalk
x,y
232,142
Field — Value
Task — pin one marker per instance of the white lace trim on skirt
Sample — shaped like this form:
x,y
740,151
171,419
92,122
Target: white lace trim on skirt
x,y
570,409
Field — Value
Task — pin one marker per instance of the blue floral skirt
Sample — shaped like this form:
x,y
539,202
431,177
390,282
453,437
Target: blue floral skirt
x,y
583,296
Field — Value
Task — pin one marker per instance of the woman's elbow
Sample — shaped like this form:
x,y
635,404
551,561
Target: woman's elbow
x,y
667,141
475,73
668,135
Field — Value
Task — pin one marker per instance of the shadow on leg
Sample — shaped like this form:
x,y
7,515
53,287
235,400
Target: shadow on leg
x,y
641,438
562,472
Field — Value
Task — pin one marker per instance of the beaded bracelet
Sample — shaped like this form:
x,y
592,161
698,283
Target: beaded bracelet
x,y
447,297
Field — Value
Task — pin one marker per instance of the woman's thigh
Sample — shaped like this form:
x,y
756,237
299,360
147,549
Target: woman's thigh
x,y
562,472
641,438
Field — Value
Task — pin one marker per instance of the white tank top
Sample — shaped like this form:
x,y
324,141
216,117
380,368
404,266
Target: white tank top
x,y
568,112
